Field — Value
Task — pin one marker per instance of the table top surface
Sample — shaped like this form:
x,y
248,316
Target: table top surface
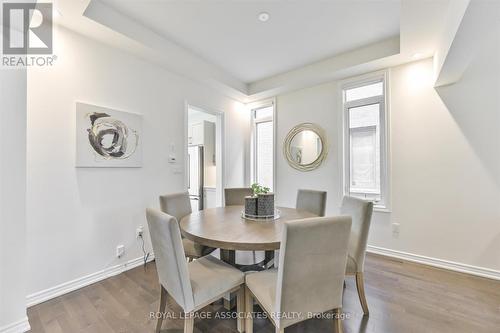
x,y
225,228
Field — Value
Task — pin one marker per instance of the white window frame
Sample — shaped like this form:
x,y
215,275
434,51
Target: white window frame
x,y
384,204
253,160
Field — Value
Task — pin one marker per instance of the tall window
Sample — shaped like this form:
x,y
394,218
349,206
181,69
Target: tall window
x,y
365,141
263,146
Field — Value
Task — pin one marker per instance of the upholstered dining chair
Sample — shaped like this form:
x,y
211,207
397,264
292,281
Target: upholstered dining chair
x,y
311,201
361,213
236,196
178,206
310,276
192,285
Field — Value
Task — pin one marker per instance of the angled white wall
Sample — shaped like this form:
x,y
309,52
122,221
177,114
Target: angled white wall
x,y
167,53
469,25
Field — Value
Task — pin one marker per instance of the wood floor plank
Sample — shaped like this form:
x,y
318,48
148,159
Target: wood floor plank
x,y
402,296
35,321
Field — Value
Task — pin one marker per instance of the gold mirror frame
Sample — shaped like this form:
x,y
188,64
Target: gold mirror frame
x,y
288,141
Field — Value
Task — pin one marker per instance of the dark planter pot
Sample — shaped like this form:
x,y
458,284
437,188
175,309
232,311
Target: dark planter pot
x,y
251,206
265,204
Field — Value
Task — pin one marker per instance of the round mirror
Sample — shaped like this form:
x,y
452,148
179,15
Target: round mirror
x,y
305,147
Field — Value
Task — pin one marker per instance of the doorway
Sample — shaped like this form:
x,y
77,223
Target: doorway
x,y
204,157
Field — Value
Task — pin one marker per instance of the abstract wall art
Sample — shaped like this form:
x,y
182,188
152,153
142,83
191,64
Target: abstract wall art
x,y
107,138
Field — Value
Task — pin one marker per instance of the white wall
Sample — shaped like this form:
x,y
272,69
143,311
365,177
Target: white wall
x,y
315,105
76,217
445,160
13,199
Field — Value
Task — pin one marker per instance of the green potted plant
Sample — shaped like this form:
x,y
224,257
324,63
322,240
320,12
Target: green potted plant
x,y
258,189
260,198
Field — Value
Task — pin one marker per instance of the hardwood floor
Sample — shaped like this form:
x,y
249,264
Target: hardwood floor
x,y
402,297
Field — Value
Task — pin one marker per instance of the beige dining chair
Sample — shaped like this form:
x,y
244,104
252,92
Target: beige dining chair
x,y
192,285
178,205
310,276
361,213
311,201
236,196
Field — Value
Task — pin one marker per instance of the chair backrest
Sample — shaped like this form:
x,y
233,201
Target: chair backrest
x,y
176,204
170,260
361,213
313,256
236,196
312,201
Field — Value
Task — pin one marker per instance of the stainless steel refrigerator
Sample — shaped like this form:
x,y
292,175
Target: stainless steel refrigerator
x,y
195,177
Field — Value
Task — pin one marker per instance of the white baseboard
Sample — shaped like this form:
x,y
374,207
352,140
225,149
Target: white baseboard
x,y
64,288
67,287
20,326
440,263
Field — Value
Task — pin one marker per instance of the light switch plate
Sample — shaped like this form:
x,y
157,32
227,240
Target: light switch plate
x,y
120,250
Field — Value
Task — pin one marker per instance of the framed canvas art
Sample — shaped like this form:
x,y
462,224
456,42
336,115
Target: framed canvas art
x,y
107,138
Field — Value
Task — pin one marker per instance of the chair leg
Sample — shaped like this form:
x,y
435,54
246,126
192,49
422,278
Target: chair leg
x,y
161,309
240,309
227,301
269,259
280,330
189,323
248,311
337,322
360,285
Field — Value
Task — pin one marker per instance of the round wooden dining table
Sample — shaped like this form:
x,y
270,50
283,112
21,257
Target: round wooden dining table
x,y
225,228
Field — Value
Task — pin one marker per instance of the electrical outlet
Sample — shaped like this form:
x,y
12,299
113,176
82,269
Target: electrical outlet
x,y
139,231
120,251
395,230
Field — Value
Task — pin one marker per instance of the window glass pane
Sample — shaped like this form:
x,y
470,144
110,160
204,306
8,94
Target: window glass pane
x,y
375,89
264,112
364,138
264,154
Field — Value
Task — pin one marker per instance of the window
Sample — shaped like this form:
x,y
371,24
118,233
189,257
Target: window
x,y
365,153
263,146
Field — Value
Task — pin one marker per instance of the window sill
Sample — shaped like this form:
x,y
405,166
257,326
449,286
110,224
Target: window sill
x,y
381,209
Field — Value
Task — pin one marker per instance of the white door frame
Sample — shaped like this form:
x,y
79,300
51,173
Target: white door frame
x,y
220,149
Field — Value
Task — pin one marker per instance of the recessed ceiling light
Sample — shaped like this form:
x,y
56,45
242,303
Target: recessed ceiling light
x,y
264,17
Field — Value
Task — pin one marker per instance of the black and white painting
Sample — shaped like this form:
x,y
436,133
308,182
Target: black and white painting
x,y
107,138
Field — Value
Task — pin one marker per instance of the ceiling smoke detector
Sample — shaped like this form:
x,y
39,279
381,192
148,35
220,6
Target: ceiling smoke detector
x,y
264,17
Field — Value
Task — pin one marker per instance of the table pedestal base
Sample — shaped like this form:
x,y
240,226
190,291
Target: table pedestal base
x,y
229,256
